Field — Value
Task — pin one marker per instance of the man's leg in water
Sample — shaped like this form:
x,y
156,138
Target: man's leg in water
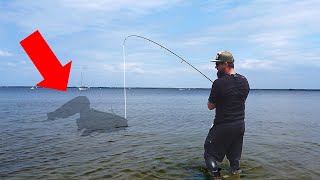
x,y
235,149
214,150
212,165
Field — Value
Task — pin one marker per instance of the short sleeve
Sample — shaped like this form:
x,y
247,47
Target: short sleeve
x,y
214,92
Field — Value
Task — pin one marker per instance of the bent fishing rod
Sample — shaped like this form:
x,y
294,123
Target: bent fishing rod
x,y
124,65
167,50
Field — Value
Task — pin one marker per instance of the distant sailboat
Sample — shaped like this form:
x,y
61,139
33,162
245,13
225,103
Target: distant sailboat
x,y
32,88
82,87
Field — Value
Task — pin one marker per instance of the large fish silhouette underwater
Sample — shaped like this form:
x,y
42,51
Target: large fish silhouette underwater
x,y
90,120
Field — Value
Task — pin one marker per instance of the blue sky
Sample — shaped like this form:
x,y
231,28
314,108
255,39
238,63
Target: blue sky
x,y
276,44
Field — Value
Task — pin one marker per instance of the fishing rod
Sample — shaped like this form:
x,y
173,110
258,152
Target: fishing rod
x,y
124,65
167,50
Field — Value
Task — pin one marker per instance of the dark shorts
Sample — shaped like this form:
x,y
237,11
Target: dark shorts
x,y
225,140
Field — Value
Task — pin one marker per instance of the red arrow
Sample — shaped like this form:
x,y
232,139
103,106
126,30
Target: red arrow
x,y
55,76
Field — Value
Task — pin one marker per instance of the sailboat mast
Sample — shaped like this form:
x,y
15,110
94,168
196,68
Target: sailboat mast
x,y
81,79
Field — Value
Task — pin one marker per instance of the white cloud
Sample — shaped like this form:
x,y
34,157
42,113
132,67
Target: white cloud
x,y
11,64
130,67
133,67
207,66
110,68
255,64
69,16
115,5
16,64
275,30
273,40
5,53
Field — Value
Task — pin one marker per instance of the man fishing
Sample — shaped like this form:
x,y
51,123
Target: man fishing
x,y
228,95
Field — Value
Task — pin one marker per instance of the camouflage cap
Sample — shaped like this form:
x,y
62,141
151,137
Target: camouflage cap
x,y
223,56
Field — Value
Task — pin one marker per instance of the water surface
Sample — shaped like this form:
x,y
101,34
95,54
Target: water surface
x,y
164,140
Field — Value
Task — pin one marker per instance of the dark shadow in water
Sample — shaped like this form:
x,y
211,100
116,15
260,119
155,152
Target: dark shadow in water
x,y
90,121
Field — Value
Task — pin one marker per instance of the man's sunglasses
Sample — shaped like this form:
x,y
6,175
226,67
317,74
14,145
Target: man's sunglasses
x,y
218,63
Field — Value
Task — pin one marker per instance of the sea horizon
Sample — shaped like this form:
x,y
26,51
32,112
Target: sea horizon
x,y
179,88
194,88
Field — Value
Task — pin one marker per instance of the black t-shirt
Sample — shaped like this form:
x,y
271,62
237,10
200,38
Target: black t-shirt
x,y
229,93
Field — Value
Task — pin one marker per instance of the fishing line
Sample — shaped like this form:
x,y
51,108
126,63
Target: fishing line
x,y
124,66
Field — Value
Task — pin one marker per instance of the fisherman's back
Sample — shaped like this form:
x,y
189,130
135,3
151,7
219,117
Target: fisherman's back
x,y
231,93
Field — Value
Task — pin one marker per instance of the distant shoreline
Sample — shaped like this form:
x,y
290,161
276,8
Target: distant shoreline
x,y
179,88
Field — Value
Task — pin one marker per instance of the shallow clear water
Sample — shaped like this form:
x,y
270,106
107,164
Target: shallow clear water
x,y
164,140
